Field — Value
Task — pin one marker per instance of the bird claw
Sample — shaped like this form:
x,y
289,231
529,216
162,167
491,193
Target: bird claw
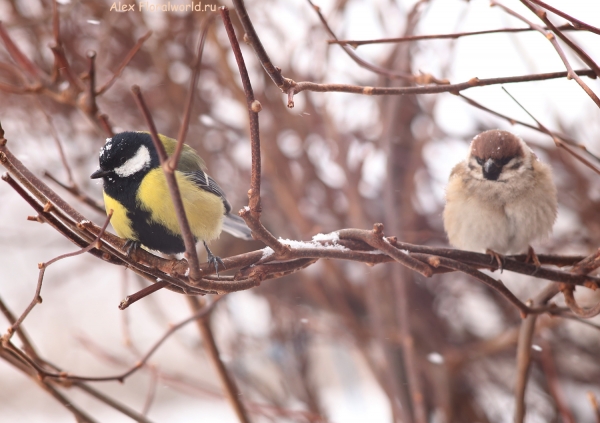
x,y
499,259
131,247
214,260
533,258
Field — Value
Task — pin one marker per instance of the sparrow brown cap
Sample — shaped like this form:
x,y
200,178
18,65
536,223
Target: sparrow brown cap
x,y
496,144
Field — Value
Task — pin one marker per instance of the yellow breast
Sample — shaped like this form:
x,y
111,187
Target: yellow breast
x,y
203,209
119,219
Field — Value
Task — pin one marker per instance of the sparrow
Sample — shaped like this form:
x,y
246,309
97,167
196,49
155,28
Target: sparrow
x,y
501,198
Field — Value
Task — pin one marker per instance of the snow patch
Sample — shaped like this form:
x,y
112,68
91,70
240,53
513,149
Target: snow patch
x,y
318,241
267,252
333,237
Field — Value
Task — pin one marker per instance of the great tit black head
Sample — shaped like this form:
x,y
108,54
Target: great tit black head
x,y
126,155
135,189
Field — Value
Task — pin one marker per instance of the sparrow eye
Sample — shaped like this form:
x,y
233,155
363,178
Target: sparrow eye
x,y
515,165
503,161
480,161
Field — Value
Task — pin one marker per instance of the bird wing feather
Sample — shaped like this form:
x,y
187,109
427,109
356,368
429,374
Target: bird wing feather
x,y
205,182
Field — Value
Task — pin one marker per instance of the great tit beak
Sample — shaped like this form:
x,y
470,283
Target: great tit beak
x,y
491,170
100,173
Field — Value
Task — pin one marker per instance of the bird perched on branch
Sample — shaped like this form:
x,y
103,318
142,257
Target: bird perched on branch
x,y
135,188
500,198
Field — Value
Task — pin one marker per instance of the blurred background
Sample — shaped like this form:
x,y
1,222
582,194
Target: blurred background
x,y
324,344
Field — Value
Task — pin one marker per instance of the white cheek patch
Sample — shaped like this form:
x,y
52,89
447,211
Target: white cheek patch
x,y
139,161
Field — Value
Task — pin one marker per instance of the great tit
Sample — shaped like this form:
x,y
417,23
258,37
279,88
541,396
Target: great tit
x,y
135,188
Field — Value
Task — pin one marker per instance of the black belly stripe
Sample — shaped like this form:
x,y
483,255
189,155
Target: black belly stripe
x,y
154,235
149,233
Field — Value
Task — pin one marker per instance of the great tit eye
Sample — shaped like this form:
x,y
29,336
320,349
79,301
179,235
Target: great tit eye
x,y
480,161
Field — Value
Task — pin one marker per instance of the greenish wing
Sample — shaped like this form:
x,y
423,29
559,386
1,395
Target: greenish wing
x,y
205,182
189,161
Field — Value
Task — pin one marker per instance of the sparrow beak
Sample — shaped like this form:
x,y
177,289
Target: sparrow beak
x,y
100,173
491,170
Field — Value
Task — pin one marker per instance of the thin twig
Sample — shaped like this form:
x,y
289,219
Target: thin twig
x,y
87,103
298,87
578,50
130,299
550,371
58,143
151,392
56,34
143,360
571,74
585,313
43,266
454,36
513,121
576,22
124,63
361,62
252,38
178,381
75,83
76,191
23,337
588,264
18,56
34,185
557,140
491,282
233,393
105,124
100,396
183,128
253,108
524,350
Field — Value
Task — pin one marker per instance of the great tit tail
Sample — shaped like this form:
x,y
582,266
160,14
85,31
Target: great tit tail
x,y
236,226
